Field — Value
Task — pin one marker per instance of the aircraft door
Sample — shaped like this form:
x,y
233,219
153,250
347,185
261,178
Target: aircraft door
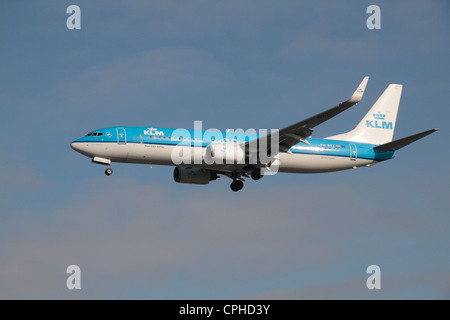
x,y
353,152
121,136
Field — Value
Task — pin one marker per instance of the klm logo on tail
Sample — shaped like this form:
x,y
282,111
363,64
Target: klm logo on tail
x,y
379,122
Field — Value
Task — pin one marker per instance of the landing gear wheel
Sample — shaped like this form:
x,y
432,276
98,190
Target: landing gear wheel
x,y
256,174
108,171
236,185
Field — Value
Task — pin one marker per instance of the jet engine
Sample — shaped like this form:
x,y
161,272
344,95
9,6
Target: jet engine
x,y
193,175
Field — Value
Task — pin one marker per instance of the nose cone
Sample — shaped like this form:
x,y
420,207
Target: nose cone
x,y
79,146
73,145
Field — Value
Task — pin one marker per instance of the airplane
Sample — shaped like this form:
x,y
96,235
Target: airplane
x,y
292,149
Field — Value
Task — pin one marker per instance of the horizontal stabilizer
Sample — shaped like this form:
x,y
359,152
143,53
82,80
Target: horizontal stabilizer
x,y
400,143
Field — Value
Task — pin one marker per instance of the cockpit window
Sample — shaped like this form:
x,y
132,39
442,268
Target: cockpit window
x,y
94,134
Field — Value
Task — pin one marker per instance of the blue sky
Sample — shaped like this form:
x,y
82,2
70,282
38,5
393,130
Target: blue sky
x,y
231,64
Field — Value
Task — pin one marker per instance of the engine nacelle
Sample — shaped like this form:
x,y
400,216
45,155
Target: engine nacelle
x,y
193,175
225,153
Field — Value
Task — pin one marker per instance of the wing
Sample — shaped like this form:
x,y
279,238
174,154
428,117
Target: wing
x,y
298,132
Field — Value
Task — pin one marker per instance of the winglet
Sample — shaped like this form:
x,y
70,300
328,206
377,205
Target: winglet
x,y
358,94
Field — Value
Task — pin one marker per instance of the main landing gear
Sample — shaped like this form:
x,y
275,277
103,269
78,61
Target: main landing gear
x,y
237,185
256,174
238,181
108,171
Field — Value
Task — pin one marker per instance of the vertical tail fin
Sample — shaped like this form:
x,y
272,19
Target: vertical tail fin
x,y
377,126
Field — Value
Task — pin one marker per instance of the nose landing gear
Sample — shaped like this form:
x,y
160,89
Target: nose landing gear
x,y
100,160
108,171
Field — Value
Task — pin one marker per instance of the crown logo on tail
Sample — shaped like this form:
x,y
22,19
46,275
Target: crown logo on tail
x,y
379,116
